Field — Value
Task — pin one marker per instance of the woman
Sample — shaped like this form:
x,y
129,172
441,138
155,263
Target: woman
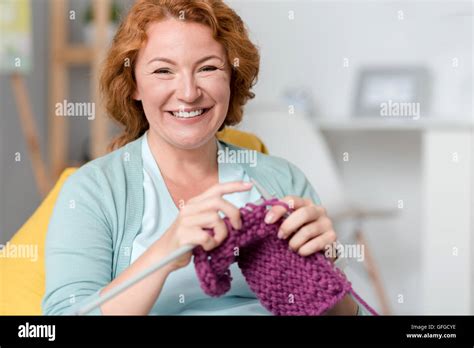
x,y
176,74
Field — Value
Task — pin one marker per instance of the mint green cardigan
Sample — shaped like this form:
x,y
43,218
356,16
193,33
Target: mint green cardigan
x,y
99,213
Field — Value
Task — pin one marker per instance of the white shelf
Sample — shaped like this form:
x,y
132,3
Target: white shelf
x,y
367,123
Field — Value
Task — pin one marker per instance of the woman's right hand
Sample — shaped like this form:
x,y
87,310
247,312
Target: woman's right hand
x,y
198,213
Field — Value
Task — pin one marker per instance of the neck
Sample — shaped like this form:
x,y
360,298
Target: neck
x,y
183,166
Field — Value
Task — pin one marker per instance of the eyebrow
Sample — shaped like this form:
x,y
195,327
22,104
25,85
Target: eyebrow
x,y
162,59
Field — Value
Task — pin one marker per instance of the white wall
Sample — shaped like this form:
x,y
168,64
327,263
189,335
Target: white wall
x,y
384,166
310,49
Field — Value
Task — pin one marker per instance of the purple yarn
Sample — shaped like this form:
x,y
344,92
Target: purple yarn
x,y
284,282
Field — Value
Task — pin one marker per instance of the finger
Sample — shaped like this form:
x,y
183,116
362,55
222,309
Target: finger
x,y
304,234
210,220
203,220
197,236
231,211
310,248
298,219
221,189
220,232
216,204
317,244
277,211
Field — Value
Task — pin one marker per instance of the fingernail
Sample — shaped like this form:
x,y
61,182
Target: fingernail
x,y
248,183
280,234
269,218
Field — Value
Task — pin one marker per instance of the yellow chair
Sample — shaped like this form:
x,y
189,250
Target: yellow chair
x,y
22,282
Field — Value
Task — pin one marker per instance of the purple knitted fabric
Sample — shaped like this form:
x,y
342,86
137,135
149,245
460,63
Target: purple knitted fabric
x,y
284,282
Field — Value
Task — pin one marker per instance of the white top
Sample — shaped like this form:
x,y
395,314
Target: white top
x,y
181,293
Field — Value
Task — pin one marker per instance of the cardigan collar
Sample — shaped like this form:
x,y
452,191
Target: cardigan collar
x,y
133,150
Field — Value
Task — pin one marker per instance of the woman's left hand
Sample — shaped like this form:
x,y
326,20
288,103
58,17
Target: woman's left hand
x,y
309,228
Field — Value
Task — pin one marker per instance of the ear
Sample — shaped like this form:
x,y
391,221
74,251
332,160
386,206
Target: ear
x,y
136,95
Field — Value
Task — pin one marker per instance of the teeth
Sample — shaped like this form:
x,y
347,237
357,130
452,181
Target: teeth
x,y
188,114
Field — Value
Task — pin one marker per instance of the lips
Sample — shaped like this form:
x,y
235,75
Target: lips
x,y
189,112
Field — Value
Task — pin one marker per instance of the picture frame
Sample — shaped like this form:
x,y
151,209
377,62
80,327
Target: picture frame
x,y
392,88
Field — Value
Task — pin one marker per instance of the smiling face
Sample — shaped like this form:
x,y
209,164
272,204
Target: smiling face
x,y
183,82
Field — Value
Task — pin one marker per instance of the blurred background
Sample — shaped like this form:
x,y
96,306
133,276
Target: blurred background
x,y
371,99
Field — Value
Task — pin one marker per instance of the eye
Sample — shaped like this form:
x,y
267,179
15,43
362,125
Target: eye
x,y
208,68
162,71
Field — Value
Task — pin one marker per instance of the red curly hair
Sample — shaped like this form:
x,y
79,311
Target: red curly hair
x,y
117,81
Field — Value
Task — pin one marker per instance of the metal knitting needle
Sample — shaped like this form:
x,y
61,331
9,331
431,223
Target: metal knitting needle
x,y
261,189
172,256
265,194
125,285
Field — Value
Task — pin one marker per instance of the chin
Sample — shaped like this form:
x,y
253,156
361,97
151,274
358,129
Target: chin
x,y
192,141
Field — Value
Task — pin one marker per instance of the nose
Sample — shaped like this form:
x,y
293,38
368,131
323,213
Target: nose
x,y
188,89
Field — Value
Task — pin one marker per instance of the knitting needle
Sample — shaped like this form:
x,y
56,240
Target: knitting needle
x,y
125,285
265,194
261,189
172,256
